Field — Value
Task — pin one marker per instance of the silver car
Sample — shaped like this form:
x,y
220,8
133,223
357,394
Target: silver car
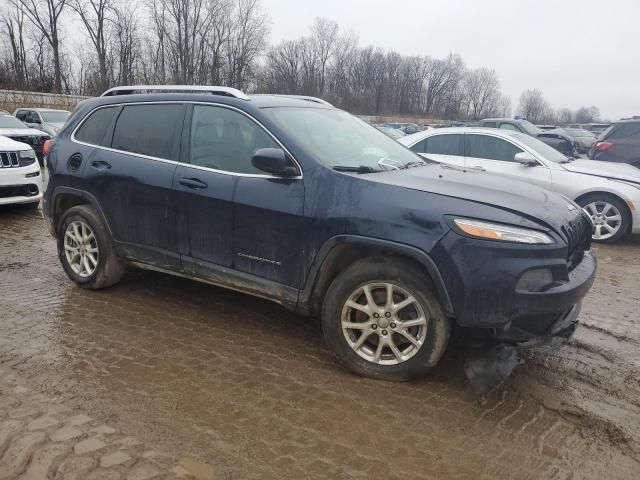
x,y
46,119
608,192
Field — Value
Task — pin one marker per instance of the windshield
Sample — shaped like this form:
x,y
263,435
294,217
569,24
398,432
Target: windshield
x,y
7,121
530,128
541,148
54,117
337,138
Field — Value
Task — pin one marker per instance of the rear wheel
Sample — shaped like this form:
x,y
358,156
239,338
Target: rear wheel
x,y
609,214
381,320
85,249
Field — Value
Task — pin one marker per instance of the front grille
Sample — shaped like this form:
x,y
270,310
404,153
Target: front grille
x,y
9,159
19,191
578,232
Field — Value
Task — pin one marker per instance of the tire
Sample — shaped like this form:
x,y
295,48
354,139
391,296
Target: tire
x,y
105,268
595,205
405,279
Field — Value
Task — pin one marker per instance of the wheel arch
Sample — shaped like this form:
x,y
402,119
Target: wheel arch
x,y
64,198
341,251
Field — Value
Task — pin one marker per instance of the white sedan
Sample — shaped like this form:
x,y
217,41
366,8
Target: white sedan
x,y
609,192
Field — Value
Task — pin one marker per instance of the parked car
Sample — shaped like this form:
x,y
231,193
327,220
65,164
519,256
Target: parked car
x,y
46,119
407,128
303,204
394,133
620,143
595,128
20,178
13,128
547,127
609,193
585,138
557,139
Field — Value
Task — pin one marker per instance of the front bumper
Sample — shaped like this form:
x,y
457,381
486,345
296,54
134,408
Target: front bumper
x,y
483,282
21,185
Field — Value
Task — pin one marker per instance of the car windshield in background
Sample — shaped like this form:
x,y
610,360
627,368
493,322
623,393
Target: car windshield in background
x,y
530,128
54,117
337,138
7,121
547,152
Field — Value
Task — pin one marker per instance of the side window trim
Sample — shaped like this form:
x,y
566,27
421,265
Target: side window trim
x,y
187,104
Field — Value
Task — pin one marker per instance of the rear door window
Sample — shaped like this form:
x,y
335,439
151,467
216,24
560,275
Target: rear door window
x,y
447,144
150,130
509,126
491,148
94,129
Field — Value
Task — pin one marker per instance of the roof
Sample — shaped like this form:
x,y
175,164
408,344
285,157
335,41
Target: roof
x,y
411,139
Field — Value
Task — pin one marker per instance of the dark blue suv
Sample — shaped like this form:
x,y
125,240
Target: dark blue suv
x,y
295,201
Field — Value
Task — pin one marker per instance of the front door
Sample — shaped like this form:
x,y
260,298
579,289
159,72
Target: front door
x,y
497,155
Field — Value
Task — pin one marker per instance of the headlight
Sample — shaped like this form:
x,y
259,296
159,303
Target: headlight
x,y
27,154
504,233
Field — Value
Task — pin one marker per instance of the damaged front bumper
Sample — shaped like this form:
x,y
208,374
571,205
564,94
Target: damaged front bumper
x,y
488,368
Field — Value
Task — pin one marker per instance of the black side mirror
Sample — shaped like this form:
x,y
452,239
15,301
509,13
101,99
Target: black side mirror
x,y
273,161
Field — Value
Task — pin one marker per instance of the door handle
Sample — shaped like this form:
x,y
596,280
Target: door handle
x,y
192,183
100,165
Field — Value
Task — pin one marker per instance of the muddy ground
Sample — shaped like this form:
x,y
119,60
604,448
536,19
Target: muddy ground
x,y
250,389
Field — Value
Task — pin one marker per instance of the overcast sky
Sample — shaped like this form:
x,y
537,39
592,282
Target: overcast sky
x,y
577,52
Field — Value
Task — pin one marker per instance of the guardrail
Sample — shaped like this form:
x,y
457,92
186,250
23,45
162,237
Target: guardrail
x,y
12,99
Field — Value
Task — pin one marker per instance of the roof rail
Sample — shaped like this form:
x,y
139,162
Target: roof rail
x,y
300,97
131,89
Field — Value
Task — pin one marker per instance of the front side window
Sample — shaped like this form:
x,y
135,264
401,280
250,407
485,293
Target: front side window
x,y
489,124
21,115
450,144
94,129
491,148
223,139
150,130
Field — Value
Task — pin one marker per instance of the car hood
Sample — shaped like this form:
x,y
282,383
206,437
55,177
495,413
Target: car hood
x,y
617,171
21,132
522,198
9,145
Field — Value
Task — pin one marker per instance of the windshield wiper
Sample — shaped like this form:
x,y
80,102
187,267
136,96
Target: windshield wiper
x,y
358,169
417,163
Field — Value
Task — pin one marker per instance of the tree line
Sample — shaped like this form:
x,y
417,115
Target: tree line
x,y
225,42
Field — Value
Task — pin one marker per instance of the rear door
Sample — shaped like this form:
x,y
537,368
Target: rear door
x,y
442,148
496,155
133,178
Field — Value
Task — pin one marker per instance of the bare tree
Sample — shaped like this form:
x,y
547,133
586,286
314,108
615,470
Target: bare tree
x,y
14,23
533,106
95,16
482,89
565,116
45,17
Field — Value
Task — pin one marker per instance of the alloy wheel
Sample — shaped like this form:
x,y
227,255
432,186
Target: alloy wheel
x,y
607,219
81,248
384,323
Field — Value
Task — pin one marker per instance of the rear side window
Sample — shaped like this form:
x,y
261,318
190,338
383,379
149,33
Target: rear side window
x,y
491,148
508,126
150,130
489,124
94,129
445,145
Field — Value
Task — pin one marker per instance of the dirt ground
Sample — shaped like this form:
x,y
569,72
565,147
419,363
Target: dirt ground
x,y
248,389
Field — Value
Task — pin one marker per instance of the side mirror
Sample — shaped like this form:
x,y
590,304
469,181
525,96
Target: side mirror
x,y
525,158
273,161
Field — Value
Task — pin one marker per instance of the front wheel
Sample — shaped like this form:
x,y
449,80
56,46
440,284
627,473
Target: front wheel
x,y
610,216
381,319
